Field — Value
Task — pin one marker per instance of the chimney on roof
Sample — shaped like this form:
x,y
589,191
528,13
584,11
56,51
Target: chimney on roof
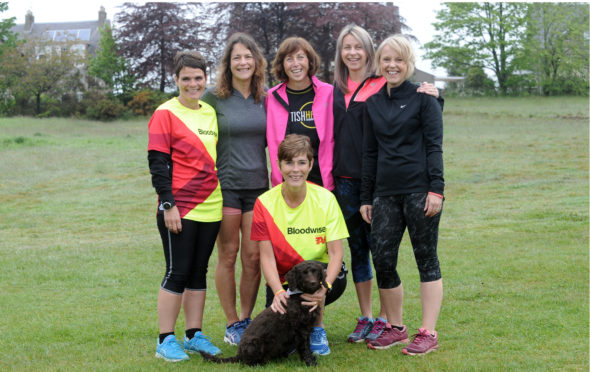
x,y
102,16
29,20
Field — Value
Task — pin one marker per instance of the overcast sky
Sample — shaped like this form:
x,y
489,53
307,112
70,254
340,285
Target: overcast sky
x,y
419,16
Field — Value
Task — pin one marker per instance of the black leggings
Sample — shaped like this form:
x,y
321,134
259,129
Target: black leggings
x,y
391,216
187,254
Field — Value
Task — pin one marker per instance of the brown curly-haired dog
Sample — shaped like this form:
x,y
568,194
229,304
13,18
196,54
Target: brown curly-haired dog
x,y
272,335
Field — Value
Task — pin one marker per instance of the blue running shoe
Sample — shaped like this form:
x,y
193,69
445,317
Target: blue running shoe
x,y
200,343
319,341
170,350
233,333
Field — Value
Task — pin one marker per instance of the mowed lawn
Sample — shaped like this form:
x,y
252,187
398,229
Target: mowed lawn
x,y
81,259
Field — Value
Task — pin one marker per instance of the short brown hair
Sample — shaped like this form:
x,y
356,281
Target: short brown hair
x,y
293,145
189,58
291,45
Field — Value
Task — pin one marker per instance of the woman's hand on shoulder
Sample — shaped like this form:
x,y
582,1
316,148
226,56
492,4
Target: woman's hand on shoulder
x,y
429,89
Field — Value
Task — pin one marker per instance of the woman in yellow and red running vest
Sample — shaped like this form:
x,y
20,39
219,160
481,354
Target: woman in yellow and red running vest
x,y
181,155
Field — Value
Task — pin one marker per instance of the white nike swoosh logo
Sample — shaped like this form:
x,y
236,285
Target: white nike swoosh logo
x,y
402,106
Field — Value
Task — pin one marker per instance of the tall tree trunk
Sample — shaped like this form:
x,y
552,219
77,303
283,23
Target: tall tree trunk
x,y
38,103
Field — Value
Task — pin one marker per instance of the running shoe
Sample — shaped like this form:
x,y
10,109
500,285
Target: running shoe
x,y
424,342
319,341
363,328
377,329
389,337
200,342
233,333
170,350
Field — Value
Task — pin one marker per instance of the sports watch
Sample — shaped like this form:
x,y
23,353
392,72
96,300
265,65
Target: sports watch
x,y
168,205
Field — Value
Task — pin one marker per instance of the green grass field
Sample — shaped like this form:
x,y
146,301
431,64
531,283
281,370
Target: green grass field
x,y
81,260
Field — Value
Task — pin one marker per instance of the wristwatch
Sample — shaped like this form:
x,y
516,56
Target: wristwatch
x,y
168,205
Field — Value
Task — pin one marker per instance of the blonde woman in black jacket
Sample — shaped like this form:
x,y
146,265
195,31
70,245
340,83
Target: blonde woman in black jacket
x,y
354,83
403,186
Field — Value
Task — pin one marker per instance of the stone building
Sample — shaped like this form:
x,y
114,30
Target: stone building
x,y
85,34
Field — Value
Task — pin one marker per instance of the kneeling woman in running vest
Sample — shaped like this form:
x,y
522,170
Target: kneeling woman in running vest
x,y
296,221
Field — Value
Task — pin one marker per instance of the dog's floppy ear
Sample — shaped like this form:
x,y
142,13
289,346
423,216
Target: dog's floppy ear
x,y
323,277
293,277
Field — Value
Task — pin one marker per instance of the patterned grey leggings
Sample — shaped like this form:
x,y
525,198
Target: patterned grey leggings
x,y
391,216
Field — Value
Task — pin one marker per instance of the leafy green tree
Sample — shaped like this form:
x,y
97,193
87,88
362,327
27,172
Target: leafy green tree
x,y
556,47
7,42
109,66
477,83
478,34
38,66
7,37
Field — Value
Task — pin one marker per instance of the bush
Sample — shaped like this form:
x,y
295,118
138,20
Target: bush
x,y
66,105
146,102
105,109
7,103
477,83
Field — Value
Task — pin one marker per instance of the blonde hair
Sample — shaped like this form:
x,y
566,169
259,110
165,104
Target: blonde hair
x,y
340,70
401,45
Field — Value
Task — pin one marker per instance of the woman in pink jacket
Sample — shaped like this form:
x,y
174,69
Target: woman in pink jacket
x,y
301,104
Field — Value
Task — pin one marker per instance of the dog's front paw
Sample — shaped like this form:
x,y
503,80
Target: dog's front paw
x,y
311,361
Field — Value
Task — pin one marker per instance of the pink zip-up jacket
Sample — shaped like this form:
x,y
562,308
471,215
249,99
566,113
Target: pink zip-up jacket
x,y
277,117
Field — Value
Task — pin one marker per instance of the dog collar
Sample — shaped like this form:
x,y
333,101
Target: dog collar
x,y
295,292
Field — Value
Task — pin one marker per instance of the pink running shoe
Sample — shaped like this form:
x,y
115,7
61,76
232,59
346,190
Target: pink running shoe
x,y
390,336
423,343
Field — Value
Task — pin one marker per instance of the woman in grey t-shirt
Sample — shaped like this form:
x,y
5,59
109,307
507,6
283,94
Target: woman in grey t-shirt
x,y
238,100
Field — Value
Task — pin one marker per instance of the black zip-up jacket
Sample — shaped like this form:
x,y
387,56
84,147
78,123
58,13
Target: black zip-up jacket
x,y
348,132
402,149
348,135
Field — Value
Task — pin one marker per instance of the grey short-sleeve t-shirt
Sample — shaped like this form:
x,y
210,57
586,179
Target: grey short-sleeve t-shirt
x,y
241,155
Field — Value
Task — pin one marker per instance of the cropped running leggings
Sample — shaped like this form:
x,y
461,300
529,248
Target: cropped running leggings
x,y
347,191
187,254
391,216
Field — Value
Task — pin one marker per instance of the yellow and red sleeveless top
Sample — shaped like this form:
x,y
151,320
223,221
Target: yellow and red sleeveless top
x,y
190,138
301,233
